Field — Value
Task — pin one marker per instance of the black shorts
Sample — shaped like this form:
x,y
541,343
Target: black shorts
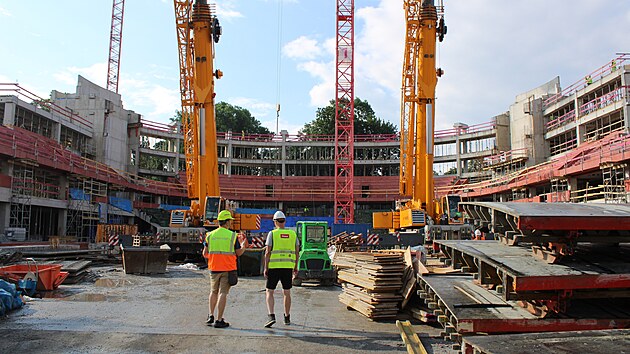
x,y
284,275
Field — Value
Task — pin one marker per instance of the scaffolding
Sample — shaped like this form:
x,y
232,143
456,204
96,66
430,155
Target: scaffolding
x,y
614,180
559,188
22,187
84,212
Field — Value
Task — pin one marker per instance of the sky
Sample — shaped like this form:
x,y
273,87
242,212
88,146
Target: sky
x,y
282,51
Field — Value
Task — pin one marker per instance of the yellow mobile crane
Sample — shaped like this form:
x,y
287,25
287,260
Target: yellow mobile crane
x,y
197,32
418,206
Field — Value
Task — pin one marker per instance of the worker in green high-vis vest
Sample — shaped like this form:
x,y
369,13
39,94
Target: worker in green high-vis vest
x,y
283,250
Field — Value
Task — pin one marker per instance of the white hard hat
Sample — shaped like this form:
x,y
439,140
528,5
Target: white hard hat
x,y
279,215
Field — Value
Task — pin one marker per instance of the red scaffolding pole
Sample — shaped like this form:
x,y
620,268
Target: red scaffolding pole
x,y
115,43
344,114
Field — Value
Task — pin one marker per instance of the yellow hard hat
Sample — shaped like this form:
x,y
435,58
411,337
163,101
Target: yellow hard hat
x,y
225,215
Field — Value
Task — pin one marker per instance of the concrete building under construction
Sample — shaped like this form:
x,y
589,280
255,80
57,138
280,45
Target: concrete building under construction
x,y
77,160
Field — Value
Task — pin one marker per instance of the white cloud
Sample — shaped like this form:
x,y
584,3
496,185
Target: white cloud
x,y
226,11
302,48
5,12
154,101
256,107
96,73
494,50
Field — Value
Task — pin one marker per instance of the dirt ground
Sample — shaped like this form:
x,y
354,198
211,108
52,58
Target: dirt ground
x,y
124,313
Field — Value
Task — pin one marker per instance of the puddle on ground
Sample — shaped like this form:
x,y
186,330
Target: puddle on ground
x,y
91,298
57,294
112,283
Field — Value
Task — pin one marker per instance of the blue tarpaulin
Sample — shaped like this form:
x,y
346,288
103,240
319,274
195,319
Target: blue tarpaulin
x,y
266,225
256,211
121,203
9,297
78,194
349,228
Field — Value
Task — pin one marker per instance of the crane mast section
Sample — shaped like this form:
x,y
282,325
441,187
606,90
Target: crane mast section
x,y
344,114
203,87
423,193
183,14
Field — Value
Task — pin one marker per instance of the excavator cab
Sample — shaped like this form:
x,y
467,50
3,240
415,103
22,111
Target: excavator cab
x,y
449,210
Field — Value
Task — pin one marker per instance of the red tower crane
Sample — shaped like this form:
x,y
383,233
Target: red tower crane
x,y
344,114
115,43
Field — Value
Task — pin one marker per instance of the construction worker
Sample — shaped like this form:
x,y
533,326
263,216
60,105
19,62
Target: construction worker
x,y
283,249
613,66
221,248
588,79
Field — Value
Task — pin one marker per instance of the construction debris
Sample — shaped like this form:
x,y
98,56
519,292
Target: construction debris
x,y
77,270
8,257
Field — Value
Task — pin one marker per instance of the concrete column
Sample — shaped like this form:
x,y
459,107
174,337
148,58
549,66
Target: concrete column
x,y
62,219
579,131
228,153
9,113
458,154
283,153
625,81
572,184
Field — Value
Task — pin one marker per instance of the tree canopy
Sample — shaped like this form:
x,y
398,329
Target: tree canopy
x,y
232,118
365,121
237,119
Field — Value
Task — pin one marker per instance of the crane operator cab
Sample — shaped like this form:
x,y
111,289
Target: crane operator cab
x,y
449,210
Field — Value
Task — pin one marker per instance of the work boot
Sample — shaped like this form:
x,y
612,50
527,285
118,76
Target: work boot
x,y
221,324
210,320
271,321
287,319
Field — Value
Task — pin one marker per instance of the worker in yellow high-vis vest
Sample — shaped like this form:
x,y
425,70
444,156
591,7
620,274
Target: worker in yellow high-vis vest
x,y
283,250
221,248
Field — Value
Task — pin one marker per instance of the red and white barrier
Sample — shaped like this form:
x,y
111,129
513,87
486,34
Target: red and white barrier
x,y
372,240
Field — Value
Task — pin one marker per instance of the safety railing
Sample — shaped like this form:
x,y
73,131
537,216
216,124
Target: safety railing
x,y
505,156
562,120
604,101
600,72
483,127
46,104
614,148
20,143
167,128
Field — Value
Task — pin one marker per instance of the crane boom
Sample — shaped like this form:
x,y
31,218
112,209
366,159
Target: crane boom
x,y
197,32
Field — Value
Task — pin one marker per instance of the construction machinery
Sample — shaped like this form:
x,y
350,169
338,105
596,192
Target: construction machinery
x,y
198,29
314,262
418,207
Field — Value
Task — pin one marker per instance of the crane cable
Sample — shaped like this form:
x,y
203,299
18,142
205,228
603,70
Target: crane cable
x,y
278,65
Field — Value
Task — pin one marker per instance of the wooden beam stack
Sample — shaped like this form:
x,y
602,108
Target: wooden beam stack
x,y
371,282
346,242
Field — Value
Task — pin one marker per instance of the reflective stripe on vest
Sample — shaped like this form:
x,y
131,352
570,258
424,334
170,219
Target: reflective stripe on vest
x,y
283,249
221,252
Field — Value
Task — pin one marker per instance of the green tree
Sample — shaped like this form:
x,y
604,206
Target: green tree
x,y
237,119
365,121
234,118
